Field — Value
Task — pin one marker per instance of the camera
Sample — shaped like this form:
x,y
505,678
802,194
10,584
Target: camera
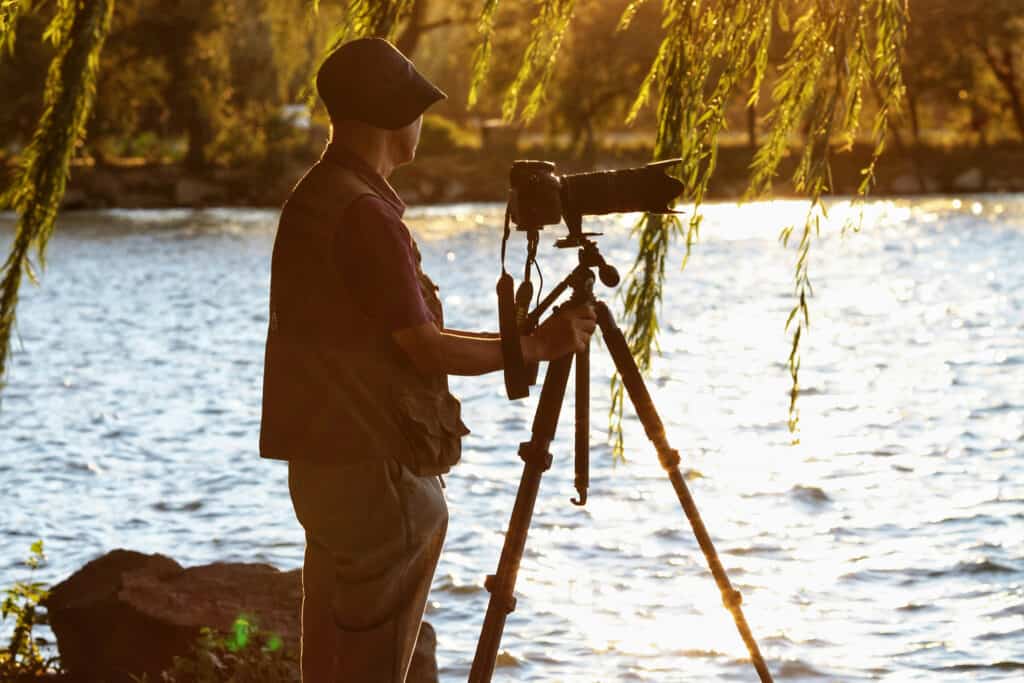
x,y
539,196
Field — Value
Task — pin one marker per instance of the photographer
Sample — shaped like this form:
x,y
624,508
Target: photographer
x,y
355,393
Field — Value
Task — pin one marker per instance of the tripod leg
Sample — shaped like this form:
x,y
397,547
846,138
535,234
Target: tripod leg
x,y
537,460
669,458
582,426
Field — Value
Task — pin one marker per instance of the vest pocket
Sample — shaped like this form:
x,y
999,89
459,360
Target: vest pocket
x,y
433,429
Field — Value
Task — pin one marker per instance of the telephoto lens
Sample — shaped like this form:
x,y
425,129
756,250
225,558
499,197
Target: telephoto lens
x,y
647,188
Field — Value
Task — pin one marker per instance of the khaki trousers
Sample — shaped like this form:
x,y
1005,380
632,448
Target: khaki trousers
x,y
374,533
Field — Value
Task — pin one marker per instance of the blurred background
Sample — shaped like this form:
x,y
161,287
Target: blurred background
x,y
204,103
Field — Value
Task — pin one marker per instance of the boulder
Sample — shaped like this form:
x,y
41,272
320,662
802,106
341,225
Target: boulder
x,y
453,191
194,192
126,613
905,184
971,180
103,188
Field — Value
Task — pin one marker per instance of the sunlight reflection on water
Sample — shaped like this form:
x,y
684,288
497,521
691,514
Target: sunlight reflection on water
x,y
888,544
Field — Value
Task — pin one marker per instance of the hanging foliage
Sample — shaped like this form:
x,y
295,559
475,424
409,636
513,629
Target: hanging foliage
x,y
376,18
78,30
10,10
708,53
482,54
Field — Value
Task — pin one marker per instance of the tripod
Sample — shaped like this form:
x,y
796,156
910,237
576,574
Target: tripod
x,y
537,460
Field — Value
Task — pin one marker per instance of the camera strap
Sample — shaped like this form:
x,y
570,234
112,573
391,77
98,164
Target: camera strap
x,y
517,384
507,233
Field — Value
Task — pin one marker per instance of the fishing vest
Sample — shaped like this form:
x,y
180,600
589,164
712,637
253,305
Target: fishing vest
x,y
335,390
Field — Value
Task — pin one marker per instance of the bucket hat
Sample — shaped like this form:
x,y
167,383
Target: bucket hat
x,y
370,80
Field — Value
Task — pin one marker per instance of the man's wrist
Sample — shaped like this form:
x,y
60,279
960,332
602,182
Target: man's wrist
x,y
532,349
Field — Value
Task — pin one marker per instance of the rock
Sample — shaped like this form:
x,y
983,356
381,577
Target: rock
x,y
74,198
427,189
127,614
103,188
142,200
905,184
195,192
499,137
732,190
971,180
103,637
453,191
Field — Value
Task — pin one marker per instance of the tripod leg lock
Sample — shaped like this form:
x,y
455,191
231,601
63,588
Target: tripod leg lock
x,y
669,458
509,601
534,454
732,599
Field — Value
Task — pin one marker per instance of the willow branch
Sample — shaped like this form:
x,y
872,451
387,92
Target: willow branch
x,y
82,26
10,11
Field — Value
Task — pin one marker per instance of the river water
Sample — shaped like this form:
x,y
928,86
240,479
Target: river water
x,y
888,544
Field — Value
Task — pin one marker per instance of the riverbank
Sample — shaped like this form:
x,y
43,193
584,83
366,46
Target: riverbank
x,y
470,175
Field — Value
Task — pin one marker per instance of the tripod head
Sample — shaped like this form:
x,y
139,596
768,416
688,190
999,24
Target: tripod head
x,y
516,320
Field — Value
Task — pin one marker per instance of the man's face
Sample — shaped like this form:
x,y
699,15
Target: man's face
x,y
405,141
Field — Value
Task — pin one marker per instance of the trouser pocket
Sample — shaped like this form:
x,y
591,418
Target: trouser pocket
x,y
378,526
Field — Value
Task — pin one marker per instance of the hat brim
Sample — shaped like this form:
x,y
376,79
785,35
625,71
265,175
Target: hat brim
x,y
407,105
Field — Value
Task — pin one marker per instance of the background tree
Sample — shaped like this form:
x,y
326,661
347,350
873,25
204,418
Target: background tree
x,y
23,65
594,83
965,68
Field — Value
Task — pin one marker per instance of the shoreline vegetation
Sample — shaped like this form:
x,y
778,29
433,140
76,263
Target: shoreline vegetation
x,y
468,174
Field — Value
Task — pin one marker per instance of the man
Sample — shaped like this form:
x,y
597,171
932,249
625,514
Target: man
x,y
355,392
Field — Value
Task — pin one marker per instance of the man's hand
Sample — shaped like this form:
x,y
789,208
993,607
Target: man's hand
x,y
567,331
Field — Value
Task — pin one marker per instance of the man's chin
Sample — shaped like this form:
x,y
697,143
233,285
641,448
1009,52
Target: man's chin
x,y
407,161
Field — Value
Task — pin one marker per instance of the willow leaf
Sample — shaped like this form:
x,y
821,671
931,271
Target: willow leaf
x,y
482,52
629,13
371,18
547,31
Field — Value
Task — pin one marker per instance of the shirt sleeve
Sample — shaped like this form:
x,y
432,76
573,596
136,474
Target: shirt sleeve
x,y
373,250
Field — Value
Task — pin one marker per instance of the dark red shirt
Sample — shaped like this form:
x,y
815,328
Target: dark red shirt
x,y
374,252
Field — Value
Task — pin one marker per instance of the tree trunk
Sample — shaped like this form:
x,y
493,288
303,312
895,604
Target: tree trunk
x,y
752,126
915,120
200,134
413,31
1002,66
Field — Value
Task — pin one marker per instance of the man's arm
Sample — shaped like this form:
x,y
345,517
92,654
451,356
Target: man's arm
x,y
471,335
434,350
375,258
